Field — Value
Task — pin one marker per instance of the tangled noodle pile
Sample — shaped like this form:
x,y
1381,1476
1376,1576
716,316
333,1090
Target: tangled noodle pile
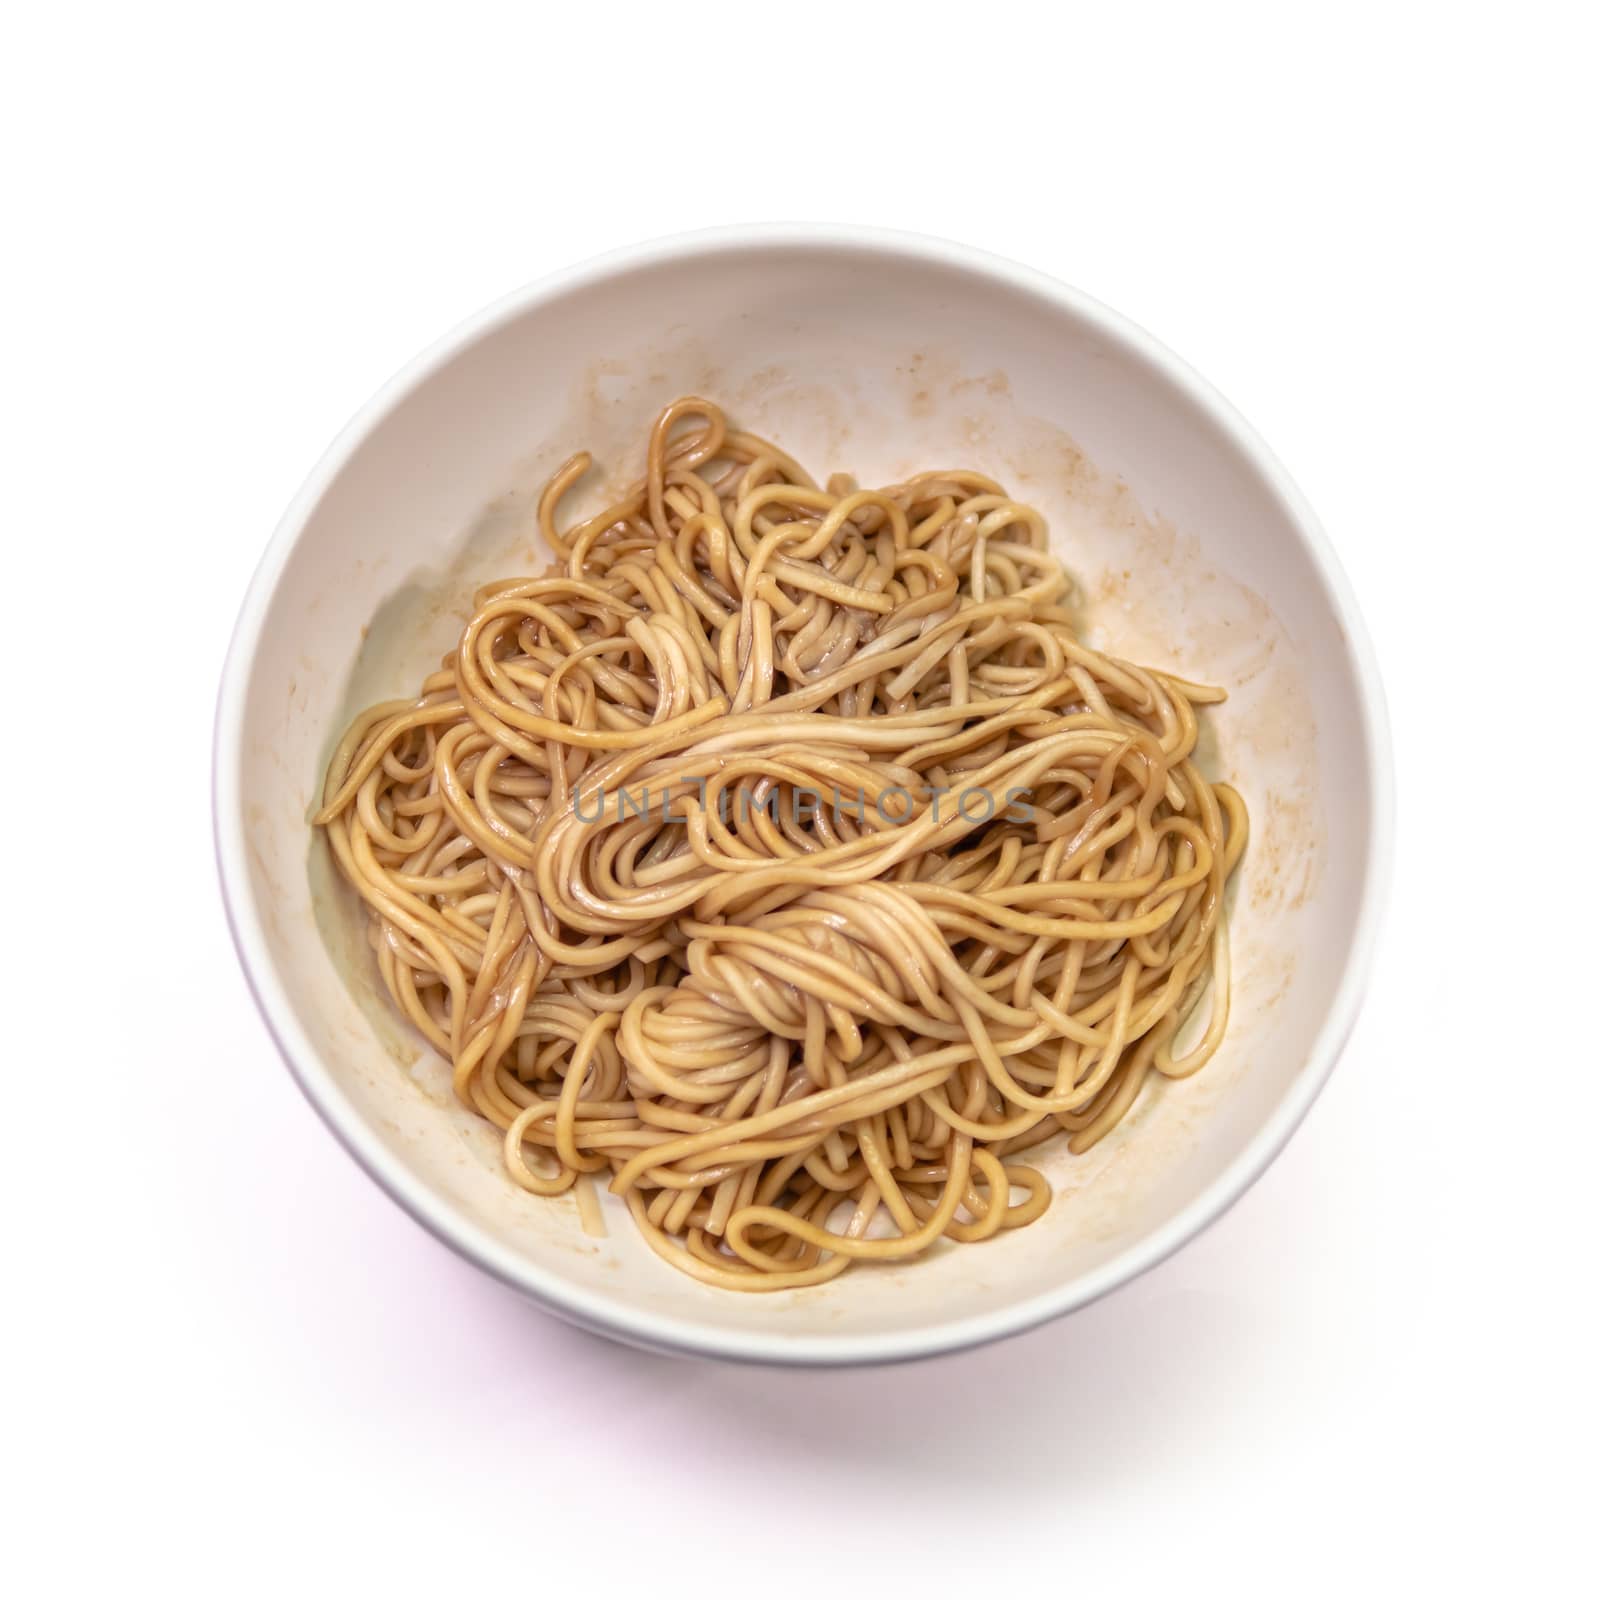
x,y
783,853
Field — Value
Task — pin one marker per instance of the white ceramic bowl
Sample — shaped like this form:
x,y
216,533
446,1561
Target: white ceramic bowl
x,y
876,354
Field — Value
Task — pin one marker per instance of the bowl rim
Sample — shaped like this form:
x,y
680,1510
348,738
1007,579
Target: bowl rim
x,y
673,1334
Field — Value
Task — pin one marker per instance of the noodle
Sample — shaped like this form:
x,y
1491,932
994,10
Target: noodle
x,y
783,854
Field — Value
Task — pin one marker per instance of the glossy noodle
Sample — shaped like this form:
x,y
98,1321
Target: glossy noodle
x,y
782,857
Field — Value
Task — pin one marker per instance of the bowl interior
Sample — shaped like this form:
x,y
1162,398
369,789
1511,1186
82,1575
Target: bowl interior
x,y
876,360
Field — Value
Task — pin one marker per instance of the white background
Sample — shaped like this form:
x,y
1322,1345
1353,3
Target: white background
x,y
237,1366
